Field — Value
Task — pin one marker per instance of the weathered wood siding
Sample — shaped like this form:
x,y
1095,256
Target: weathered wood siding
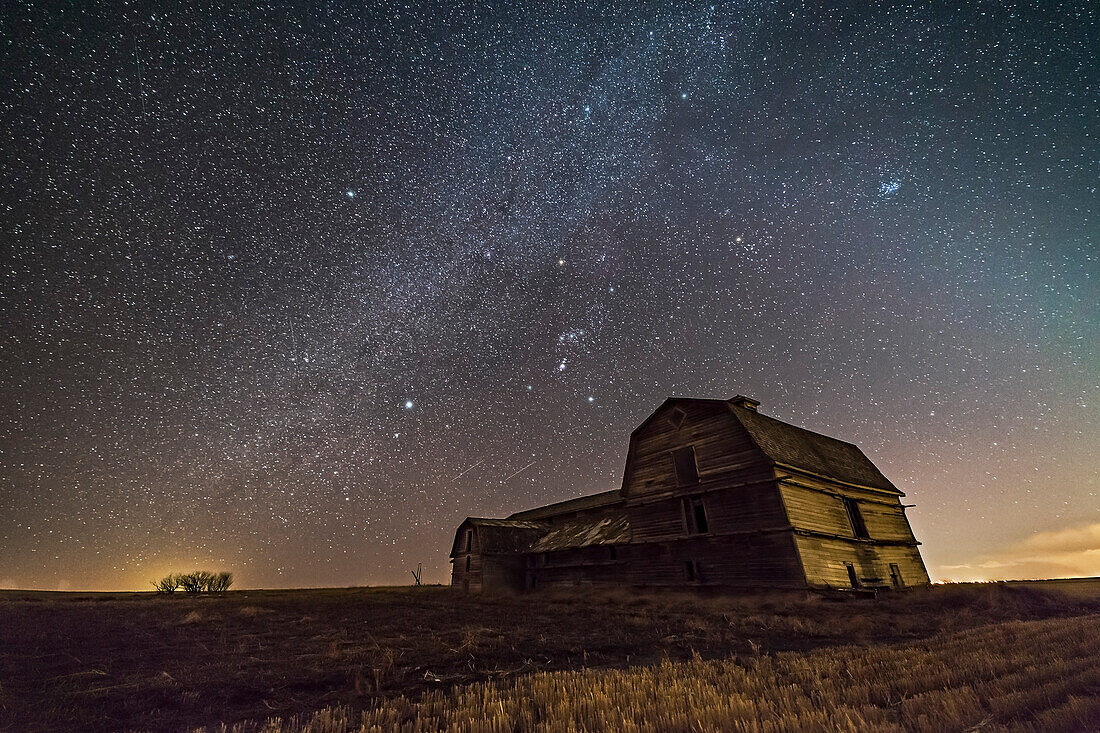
x,y
740,509
808,509
816,505
758,560
887,521
578,566
502,573
466,580
723,450
745,543
488,573
823,560
823,511
458,547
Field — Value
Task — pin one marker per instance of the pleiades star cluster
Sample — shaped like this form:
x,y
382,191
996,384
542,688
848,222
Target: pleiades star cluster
x,y
291,289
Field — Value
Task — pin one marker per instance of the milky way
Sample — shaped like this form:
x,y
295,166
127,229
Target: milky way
x,y
290,291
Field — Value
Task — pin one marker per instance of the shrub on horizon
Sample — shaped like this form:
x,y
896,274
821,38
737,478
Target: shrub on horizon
x,y
220,582
168,584
197,581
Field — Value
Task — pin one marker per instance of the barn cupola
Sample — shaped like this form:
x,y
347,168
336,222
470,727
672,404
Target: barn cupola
x,y
747,402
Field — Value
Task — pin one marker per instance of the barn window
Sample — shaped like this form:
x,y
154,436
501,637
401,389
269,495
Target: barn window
x,y
469,541
467,563
695,515
895,576
676,417
691,571
852,577
859,527
687,472
613,551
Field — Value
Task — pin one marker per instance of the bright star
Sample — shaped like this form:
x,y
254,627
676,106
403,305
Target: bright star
x,y
408,404
351,194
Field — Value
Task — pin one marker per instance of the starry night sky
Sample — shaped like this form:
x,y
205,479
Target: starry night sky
x,y
290,291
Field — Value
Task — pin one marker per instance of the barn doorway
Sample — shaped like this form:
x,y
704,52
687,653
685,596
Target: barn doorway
x,y
852,577
895,576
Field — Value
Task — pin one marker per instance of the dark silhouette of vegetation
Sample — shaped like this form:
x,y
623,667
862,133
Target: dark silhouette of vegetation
x,y
197,581
168,584
220,582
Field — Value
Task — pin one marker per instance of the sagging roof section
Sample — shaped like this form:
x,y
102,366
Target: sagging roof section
x,y
510,523
585,533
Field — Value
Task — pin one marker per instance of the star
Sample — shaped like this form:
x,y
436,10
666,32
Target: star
x,y
201,289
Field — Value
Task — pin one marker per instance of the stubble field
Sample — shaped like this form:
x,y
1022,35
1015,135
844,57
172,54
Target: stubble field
x,y
957,657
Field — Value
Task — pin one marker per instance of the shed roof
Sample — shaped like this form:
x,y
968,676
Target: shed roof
x,y
606,531
512,523
593,501
503,536
814,452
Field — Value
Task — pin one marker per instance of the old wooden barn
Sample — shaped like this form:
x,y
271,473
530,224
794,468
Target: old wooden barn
x,y
714,494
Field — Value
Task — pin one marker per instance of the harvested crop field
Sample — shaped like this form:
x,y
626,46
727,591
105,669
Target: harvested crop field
x,y
981,655
1016,676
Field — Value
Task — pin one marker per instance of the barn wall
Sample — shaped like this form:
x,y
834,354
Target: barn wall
x,y
488,573
729,510
502,573
883,514
887,522
808,509
823,560
723,451
578,566
760,560
458,546
463,580
744,545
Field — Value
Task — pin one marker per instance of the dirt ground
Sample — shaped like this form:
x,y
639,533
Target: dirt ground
x,y
139,661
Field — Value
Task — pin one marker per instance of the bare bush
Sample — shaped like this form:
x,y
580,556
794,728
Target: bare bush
x,y
191,582
199,581
168,584
220,582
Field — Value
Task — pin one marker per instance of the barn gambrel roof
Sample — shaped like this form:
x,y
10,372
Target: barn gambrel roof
x,y
795,447
800,448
